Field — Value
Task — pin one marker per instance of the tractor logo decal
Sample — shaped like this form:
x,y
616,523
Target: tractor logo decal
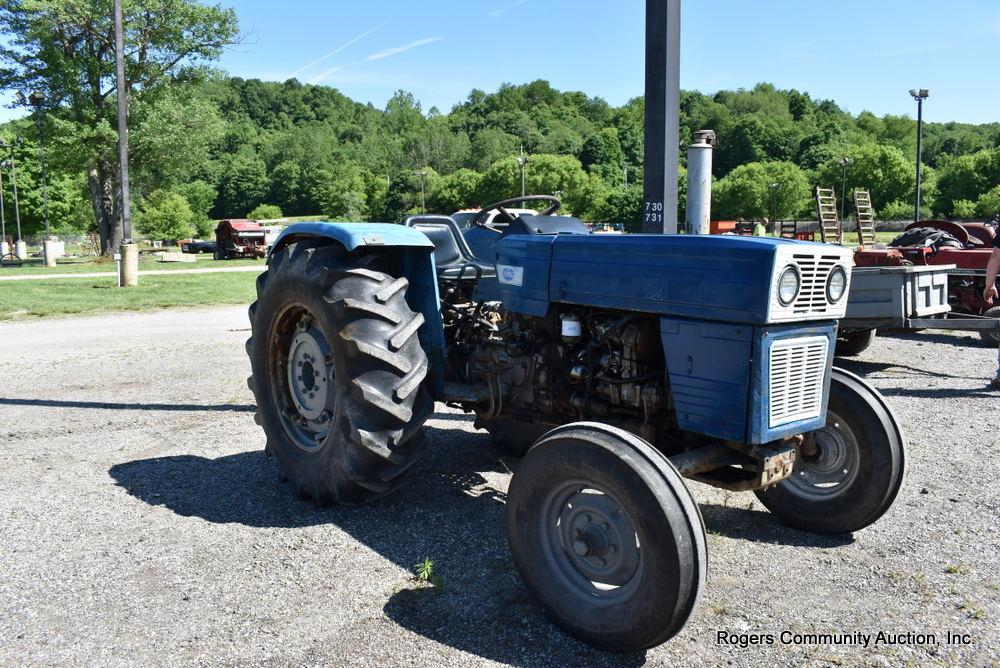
x,y
510,275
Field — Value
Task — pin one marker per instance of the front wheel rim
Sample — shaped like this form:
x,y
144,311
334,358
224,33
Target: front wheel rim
x,y
828,463
590,543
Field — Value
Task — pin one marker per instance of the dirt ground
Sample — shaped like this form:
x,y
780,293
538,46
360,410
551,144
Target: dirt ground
x,y
141,524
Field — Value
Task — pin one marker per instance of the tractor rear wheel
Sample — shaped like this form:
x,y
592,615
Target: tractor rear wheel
x,y
606,535
992,338
338,372
848,473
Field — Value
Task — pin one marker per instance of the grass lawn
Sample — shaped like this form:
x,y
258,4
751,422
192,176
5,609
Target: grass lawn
x,y
42,298
146,263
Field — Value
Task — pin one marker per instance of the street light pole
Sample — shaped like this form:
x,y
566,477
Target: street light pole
x,y
845,163
521,162
37,99
919,95
423,201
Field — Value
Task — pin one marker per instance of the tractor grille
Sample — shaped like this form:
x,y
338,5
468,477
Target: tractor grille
x,y
797,373
815,272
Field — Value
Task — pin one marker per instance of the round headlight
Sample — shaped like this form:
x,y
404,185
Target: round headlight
x,y
836,285
788,285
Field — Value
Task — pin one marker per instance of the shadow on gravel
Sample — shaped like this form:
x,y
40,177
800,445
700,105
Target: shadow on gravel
x,y
941,392
448,512
760,526
863,368
52,403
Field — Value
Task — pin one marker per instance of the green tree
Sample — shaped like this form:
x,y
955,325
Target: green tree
x,y
988,204
65,49
454,191
244,186
776,190
165,216
490,145
266,212
200,196
883,170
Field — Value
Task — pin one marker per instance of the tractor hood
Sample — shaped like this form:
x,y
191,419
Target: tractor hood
x,y
722,278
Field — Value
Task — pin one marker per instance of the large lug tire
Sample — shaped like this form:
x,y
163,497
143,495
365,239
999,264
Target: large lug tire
x,y
847,474
607,537
854,343
991,338
338,373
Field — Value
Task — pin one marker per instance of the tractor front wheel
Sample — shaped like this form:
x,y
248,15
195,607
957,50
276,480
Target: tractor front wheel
x,y
847,474
606,535
338,372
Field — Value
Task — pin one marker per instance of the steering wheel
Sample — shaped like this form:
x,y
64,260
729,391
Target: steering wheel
x,y
500,207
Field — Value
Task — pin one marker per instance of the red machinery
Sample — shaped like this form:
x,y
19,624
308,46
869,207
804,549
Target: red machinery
x,y
239,238
966,281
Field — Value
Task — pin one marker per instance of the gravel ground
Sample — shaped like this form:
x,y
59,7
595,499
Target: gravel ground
x,y
141,524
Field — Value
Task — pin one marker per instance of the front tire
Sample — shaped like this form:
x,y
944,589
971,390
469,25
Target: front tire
x,y
606,535
855,343
338,372
991,338
847,474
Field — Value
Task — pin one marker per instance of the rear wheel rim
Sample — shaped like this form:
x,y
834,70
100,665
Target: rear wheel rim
x,y
302,371
828,464
590,543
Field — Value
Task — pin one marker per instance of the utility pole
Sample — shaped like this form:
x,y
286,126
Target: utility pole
x,y
919,95
521,162
37,99
662,143
423,179
845,163
129,272
4,249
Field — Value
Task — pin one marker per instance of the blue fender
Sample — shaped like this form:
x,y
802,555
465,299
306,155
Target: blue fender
x,y
416,253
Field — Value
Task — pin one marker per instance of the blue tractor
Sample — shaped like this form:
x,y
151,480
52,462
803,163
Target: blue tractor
x,y
614,365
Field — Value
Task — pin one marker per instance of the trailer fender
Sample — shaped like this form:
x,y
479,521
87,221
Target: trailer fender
x,y
417,258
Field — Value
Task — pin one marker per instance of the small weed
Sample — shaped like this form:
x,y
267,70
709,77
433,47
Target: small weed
x,y
956,569
424,572
726,496
720,610
750,506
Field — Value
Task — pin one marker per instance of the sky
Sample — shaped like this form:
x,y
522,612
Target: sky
x,y
865,55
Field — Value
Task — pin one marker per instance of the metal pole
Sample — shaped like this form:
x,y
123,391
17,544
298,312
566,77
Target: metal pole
x,y
3,215
41,159
699,183
122,124
843,194
920,124
13,179
521,162
662,141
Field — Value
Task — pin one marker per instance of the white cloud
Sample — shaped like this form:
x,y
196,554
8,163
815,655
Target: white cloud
x,y
333,53
324,75
496,13
400,49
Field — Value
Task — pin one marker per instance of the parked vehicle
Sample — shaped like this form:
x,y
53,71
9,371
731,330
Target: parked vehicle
x,y
196,246
239,239
964,247
615,365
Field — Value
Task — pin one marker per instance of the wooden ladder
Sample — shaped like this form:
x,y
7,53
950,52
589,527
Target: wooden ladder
x,y
830,230
864,213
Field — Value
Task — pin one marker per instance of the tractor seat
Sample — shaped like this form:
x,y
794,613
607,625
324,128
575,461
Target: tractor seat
x,y
452,257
